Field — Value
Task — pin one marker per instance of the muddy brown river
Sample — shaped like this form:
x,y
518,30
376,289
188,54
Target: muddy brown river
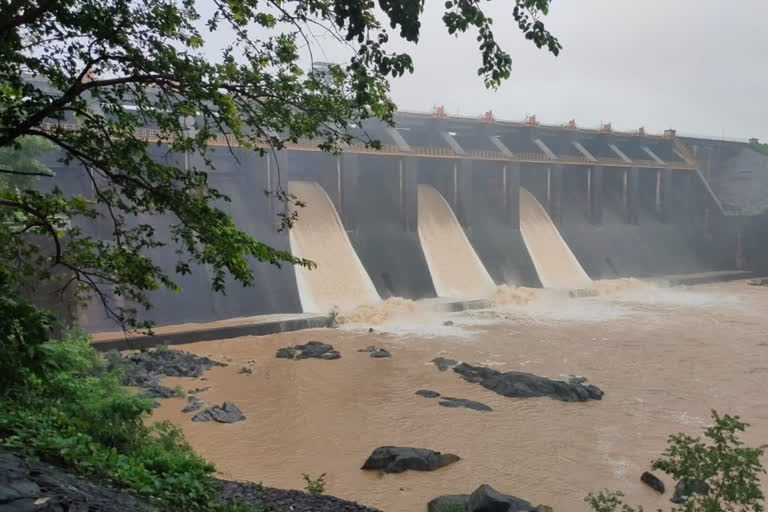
x,y
664,357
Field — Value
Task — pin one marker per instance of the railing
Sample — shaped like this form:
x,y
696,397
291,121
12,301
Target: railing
x,y
155,135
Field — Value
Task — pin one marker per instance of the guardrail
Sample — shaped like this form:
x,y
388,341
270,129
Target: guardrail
x,y
155,135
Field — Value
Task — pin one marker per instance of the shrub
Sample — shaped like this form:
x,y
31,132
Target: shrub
x,y
314,486
730,469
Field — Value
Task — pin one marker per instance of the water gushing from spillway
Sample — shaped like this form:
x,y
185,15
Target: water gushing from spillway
x,y
455,268
555,264
340,280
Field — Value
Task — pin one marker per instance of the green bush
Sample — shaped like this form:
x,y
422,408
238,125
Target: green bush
x,y
730,469
23,334
77,414
314,486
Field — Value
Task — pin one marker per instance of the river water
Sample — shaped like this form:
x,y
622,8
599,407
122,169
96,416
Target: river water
x,y
664,357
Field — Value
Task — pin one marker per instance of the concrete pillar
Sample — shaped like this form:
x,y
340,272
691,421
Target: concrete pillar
x,y
633,204
408,178
595,179
350,195
663,184
512,194
556,193
462,181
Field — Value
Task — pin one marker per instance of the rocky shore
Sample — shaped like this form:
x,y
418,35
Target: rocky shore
x,y
41,487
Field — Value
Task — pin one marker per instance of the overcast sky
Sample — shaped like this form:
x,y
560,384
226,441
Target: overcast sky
x,y
695,65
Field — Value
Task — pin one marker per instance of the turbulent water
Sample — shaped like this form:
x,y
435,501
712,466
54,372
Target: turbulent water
x,y
555,264
455,268
340,280
664,357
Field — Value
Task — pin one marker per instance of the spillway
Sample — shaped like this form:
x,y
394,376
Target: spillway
x,y
340,280
555,264
455,268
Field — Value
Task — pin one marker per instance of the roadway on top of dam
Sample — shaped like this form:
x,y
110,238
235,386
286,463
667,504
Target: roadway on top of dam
x,y
568,152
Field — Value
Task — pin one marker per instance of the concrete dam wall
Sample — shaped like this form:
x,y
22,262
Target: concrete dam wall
x,y
452,208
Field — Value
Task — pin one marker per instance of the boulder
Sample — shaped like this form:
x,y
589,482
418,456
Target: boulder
x,y
396,459
376,352
525,385
311,349
193,404
463,402
488,499
226,413
449,502
15,480
245,371
156,390
652,481
448,323
427,393
685,489
443,363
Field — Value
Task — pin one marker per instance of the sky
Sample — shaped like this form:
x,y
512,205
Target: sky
x,y
697,66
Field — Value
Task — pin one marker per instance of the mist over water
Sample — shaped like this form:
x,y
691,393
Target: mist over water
x,y
555,264
340,280
456,269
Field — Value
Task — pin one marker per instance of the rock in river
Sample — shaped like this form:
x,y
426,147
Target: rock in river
x,y
311,349
426,393
484,499
453,502
524,385
376,352
448,401
487,499
683,490
227,413
395,459
193,404
443,363
652,481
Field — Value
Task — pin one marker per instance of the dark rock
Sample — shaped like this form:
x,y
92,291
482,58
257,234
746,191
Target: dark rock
x,y
487,499
370,329
443,363
286,353
227,413
15,480
450,502
194,404
141,366
544,508
449,323
381,353
394,459
46,488
311,349
574,379
524,385
198,390
279,500
463,402
652,481
245,371
427,393
156,390
684,489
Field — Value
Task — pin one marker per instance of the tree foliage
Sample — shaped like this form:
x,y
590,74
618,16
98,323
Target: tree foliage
x,y
730,469
86,75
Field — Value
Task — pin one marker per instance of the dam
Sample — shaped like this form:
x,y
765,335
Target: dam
x,y
454,207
